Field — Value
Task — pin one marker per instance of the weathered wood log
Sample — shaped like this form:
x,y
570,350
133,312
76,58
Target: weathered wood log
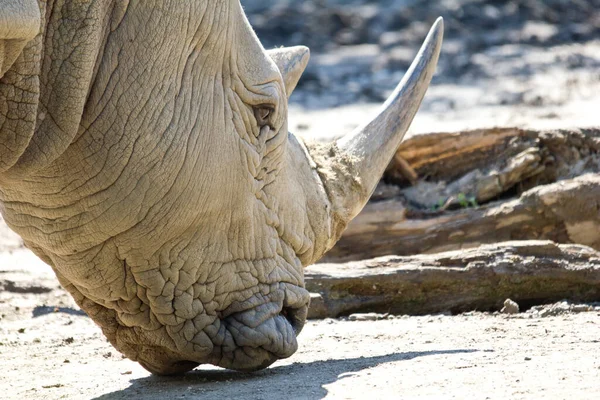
x,y
529,272
480,187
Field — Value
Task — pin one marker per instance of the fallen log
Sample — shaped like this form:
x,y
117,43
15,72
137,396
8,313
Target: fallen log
x,y
529,272
479,187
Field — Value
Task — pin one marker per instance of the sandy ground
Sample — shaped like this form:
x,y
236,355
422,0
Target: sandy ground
x,y
51,350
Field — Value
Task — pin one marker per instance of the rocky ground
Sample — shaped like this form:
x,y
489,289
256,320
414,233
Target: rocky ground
x,y
529,63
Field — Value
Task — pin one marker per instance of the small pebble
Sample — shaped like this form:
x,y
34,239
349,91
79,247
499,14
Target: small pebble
x,y
366,317
510,307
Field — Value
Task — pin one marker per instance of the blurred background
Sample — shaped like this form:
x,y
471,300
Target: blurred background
x,y
522,62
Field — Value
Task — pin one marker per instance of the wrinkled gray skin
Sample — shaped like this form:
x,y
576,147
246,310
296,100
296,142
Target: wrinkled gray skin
x,y
144,154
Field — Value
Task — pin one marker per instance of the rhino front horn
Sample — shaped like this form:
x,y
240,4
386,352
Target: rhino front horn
x,y
367,151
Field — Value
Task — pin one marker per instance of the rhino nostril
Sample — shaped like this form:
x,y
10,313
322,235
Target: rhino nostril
x,y
295,316
288,314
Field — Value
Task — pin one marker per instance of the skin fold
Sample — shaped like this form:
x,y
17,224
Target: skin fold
x,y
145,156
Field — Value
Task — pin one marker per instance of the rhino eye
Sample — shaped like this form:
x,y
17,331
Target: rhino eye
x,y
263,115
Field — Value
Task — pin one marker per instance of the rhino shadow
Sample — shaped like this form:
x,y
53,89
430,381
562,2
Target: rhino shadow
x,y
294,381
40,311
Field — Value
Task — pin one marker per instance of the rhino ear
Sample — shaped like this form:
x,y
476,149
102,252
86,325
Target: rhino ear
x,y
20,22
291,62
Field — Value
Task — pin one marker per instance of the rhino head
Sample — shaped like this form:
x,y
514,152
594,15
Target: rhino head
x,y
146,157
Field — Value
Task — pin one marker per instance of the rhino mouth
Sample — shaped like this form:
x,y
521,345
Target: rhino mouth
x,y
255,333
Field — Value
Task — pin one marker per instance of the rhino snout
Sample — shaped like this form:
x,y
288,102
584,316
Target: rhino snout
x,y
248,335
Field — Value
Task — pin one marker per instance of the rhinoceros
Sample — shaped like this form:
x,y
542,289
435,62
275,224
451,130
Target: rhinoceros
x,y
145,156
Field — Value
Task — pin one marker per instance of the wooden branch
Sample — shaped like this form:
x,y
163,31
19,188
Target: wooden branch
x,y
529,272
405,169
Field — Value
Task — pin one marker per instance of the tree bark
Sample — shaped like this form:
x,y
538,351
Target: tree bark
x,y
529,272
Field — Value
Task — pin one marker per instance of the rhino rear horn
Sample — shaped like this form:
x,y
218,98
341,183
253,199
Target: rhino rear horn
x,y
20,22
291,62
